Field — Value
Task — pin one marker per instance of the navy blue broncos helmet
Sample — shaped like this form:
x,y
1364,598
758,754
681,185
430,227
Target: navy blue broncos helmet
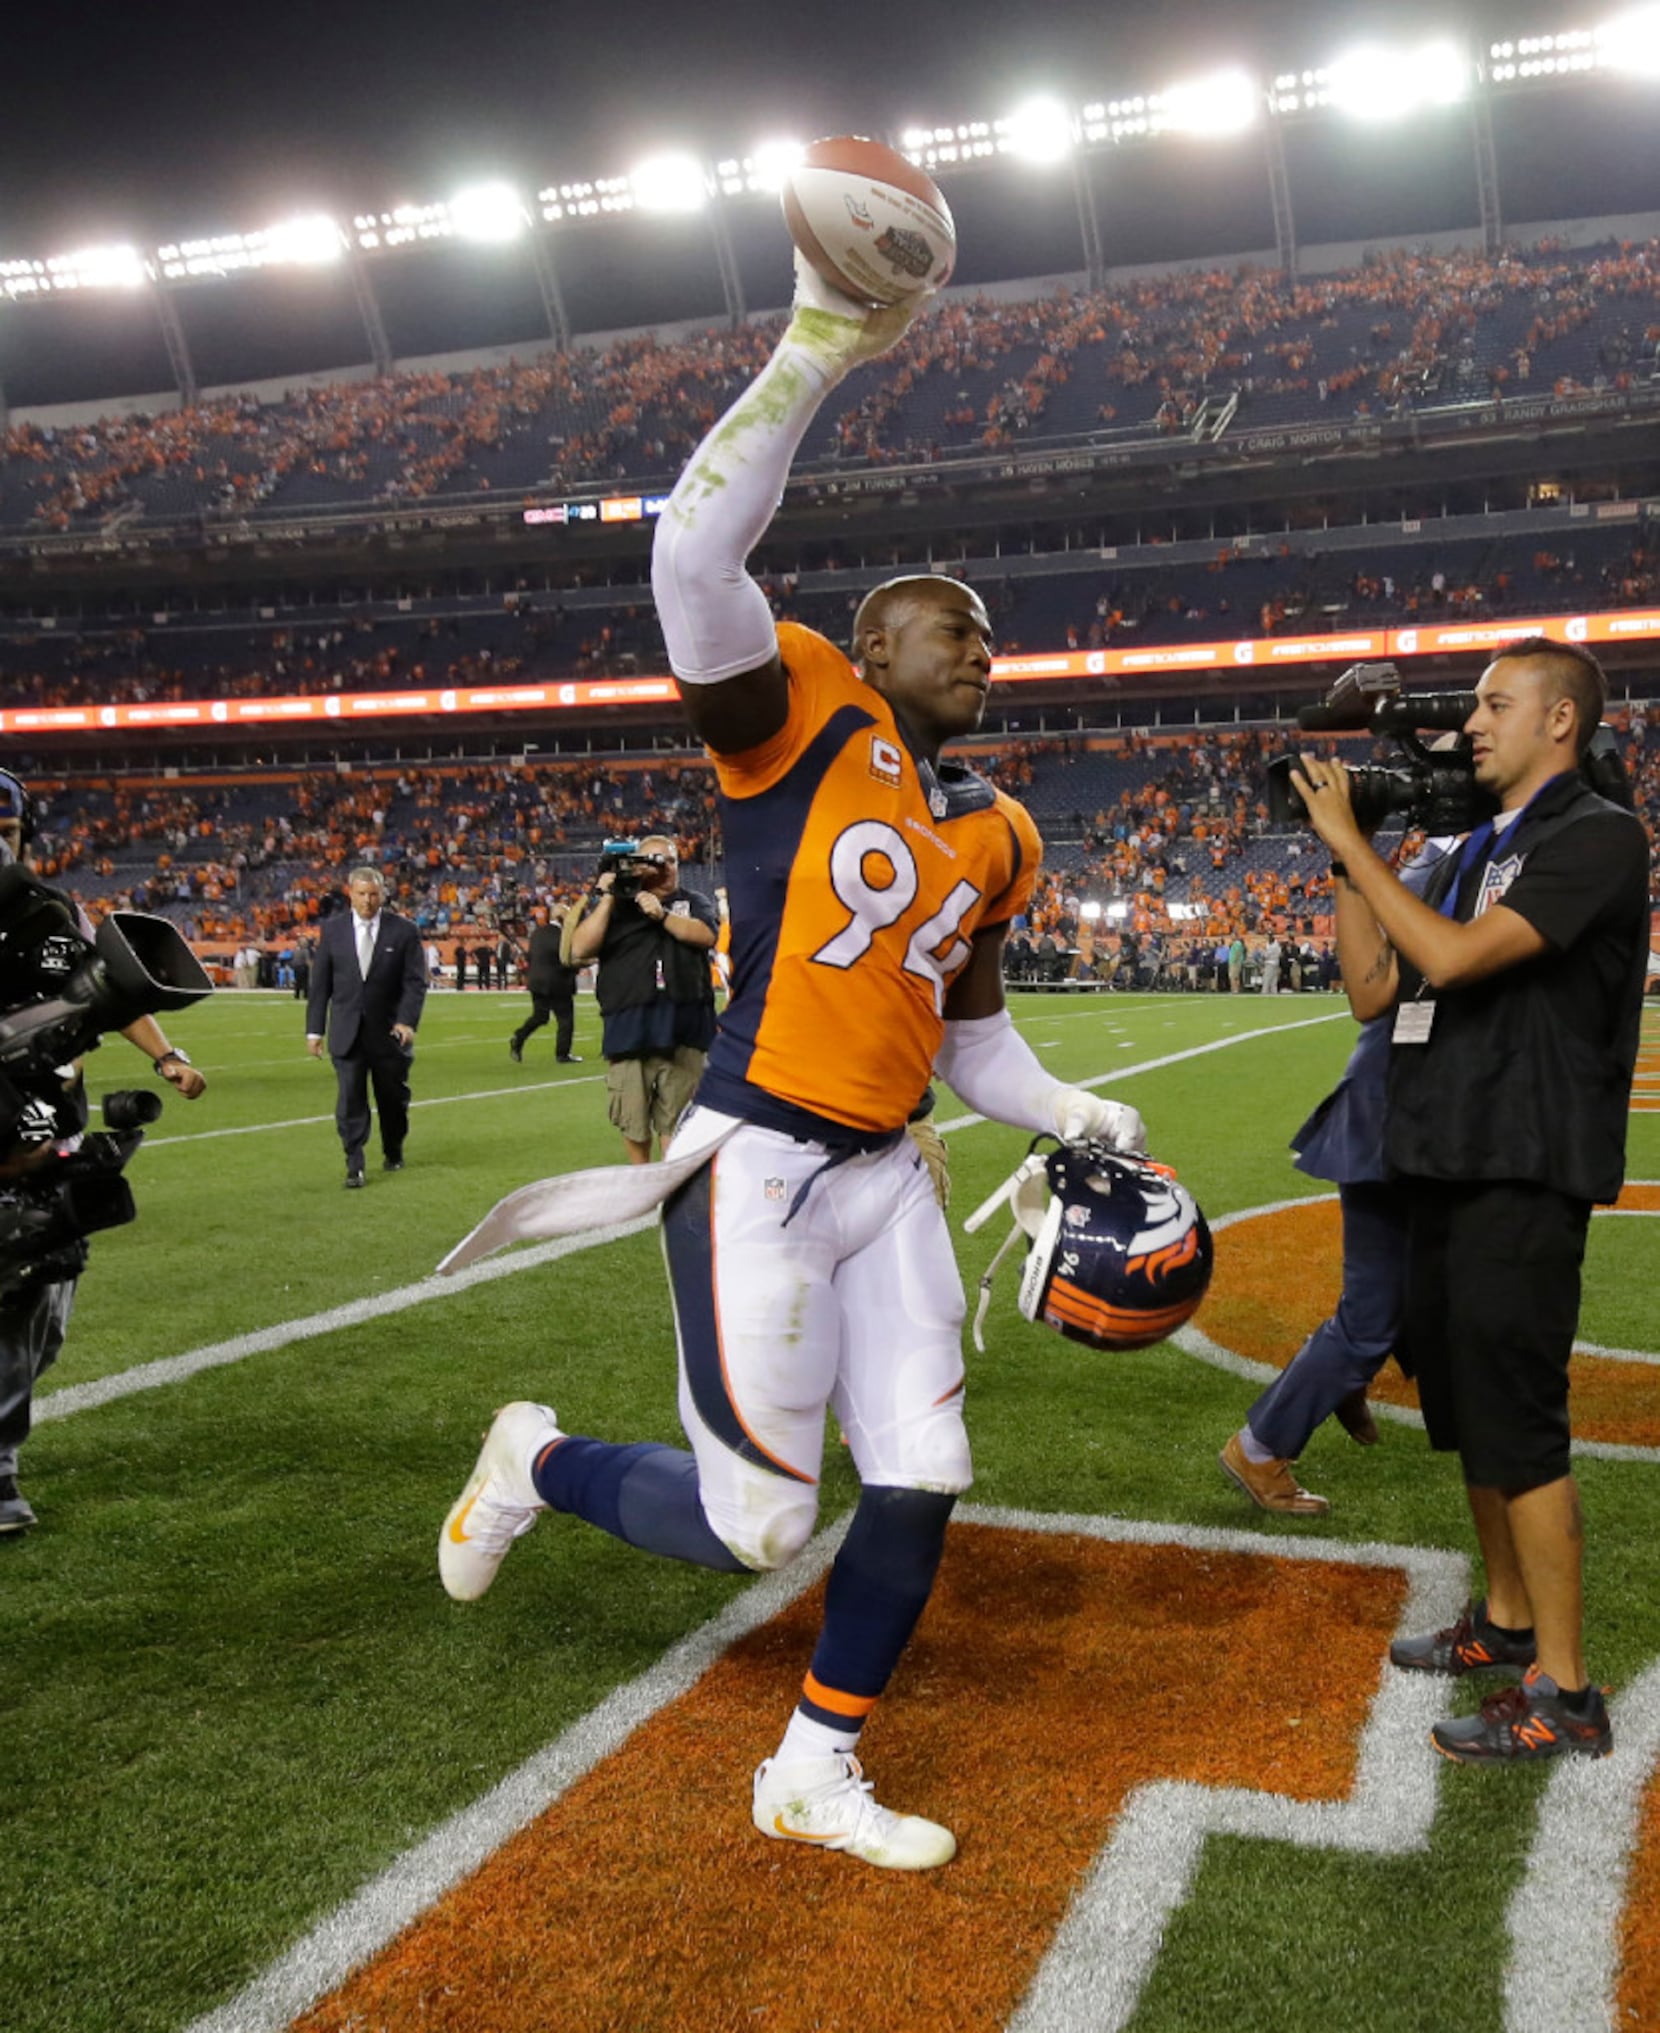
x,y
1119,1255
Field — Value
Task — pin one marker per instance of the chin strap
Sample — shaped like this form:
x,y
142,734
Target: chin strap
x,y
1006,1195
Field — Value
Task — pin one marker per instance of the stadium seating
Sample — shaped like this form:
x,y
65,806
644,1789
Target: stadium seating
x,y
1397,333
474,638
1138,823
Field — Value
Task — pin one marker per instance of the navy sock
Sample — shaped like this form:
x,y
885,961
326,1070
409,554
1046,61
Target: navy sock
x,y
878,1588
645,1494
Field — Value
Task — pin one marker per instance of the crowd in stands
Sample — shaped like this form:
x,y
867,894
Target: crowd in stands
x,y
1244,593
401,438
258,859
1169,837
531,638
1401,330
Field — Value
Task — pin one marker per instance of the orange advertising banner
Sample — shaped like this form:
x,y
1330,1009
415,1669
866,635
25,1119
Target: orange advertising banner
x,y
1254,653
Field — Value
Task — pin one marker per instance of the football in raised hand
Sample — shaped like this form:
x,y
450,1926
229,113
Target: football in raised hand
x,y
871,224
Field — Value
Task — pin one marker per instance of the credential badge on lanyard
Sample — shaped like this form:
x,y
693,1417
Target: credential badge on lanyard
x,y
1414,1020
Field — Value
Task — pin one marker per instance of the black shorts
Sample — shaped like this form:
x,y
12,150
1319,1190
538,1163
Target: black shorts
x,y
1492,1306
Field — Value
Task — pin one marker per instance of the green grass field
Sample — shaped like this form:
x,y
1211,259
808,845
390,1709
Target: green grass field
x,y
234,1690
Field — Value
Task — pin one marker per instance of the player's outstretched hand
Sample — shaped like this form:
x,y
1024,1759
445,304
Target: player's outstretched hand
x,y
1081,1117
842,332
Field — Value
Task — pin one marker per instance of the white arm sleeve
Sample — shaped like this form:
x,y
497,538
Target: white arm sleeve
x,y
716,621
988,1062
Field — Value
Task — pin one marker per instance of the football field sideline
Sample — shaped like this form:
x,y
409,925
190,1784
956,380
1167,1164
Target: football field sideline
x,y
148,1376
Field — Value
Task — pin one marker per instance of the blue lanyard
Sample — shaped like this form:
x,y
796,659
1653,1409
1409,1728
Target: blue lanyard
x,y
1479,845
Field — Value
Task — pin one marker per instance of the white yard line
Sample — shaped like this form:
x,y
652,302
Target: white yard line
x,y
255,1129
1109,1941
1564,1919
231,1067
1123,1073
172,1369
175,1368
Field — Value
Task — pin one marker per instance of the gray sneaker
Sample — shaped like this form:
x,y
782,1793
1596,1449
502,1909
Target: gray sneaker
x,y
1472,1645
15,1512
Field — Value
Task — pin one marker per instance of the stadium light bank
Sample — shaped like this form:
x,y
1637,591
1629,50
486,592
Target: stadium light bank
x,y
1372,83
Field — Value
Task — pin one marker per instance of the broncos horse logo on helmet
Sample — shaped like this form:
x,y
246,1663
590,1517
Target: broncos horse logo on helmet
x,y
1119,1255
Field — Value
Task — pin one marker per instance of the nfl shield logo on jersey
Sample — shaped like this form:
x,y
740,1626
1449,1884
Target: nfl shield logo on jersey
x,y
774,1189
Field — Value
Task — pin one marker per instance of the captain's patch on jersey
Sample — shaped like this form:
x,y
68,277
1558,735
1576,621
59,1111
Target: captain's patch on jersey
x,y
887,764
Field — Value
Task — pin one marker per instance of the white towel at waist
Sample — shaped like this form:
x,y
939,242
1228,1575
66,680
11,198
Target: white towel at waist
x,y
575,1202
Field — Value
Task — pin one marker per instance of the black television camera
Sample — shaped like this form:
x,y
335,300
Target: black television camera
x,y
59,993
47,1212
630,870
1432,788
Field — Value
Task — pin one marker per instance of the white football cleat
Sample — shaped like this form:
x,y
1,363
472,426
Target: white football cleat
x,y
829,1803
499,1503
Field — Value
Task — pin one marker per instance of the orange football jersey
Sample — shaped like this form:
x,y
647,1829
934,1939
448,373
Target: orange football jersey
x,y
857,878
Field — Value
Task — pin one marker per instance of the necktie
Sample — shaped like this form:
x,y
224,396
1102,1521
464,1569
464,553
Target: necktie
x,y
365,947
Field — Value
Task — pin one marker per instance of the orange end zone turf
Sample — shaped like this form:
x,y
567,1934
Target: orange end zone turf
x,y
1279,1275
1050,1676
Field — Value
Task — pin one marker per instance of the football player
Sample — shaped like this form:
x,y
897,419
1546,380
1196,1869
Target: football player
x,y
871,884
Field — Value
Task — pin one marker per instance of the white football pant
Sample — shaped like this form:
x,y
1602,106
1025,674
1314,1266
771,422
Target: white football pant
x,y
855,1305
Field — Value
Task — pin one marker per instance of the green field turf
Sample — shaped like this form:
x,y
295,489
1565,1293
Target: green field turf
x,y
234,1689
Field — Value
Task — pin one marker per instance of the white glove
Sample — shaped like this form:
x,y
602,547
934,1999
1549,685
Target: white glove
x,y
840,332
1081,1117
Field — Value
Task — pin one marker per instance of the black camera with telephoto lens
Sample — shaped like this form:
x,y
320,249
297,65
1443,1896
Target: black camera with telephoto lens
x,y
59,994
1432,788
629,869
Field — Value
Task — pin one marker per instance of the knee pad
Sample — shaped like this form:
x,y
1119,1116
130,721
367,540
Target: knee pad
x,y
765,1538
931,1455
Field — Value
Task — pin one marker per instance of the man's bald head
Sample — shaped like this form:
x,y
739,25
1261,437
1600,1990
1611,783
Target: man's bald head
x,y
896,601
925,644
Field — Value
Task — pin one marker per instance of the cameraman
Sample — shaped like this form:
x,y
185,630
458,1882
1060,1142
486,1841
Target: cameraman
x,y
652,941
1515,990
34,1311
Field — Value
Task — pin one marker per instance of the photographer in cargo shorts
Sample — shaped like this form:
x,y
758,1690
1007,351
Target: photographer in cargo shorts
x,y
1514,990
652,941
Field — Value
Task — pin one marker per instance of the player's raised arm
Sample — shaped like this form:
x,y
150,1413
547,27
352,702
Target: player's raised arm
x,y
717,625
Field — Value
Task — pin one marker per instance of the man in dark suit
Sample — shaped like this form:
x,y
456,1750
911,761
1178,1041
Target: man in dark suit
x,y
368,986
552,993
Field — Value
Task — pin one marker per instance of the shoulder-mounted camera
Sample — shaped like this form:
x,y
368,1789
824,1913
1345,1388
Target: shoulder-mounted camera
x,y
1432,788
59,993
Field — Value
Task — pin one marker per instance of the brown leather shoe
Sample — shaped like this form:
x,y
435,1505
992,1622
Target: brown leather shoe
x,y
1270,1484
1354,1415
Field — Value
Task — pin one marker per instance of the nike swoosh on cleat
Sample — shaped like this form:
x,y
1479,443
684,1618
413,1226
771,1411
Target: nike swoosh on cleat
x,y
801,1835
457,1535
